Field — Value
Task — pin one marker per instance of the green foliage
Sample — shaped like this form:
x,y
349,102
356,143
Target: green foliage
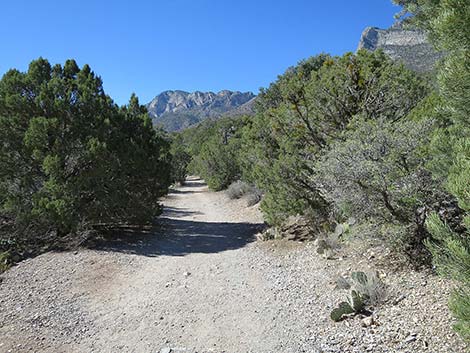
x,y
4,261
451,249
309,108
344,308
180,158
447,21
215,147
377,170
70,159
217,164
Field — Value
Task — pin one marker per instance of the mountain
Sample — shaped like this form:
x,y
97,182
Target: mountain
x,y
177,110
409,46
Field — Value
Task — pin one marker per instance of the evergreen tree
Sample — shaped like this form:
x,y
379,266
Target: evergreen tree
x,y
448,24
70,159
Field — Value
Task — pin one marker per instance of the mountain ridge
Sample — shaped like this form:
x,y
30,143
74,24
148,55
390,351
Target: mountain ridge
x,y
175,110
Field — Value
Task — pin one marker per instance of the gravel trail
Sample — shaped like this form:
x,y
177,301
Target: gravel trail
x,y
200,283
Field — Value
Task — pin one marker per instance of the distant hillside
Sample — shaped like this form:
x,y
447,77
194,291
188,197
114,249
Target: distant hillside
x,y
177,110
408,46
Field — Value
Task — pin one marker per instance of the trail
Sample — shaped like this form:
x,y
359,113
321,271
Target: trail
x,y
195,290
200,283
190,288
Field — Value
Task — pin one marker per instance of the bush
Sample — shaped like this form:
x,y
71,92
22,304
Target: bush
x,y
238,189
4,261
180,159
254,197
306,110
216,165
378,170
445,22
215,152
71,160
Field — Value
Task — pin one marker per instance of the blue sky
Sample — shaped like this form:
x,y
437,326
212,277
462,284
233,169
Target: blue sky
x,y
146,46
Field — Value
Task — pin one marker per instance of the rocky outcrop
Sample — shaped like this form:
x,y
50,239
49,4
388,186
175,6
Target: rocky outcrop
x,y
405,45
176,110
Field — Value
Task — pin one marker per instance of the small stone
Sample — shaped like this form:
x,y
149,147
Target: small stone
x,y
399,299
165,350
367,321
411,338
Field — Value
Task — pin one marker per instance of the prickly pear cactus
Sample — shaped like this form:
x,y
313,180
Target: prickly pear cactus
x,y
365,288
356,302
343,309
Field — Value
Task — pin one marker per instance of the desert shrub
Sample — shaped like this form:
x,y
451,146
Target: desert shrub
x,y
4,261
378,171
370,287
70,159
215,153
238,189
307,109
254,197
216,166
451,248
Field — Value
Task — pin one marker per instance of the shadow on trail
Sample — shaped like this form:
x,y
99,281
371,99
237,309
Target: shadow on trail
x,y
194,183
178,192
172,235
175,212
175,237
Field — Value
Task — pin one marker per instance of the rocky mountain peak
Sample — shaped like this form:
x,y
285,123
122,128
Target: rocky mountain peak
x,y
175,110
409,46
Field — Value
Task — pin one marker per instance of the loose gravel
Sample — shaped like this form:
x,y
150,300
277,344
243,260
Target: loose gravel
x,y
201,283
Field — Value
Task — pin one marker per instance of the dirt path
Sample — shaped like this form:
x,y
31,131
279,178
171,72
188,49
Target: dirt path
x,y
195,290
191,289
201,284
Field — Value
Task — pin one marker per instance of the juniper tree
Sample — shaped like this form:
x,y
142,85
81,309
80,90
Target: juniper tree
x,y
447,23
70,158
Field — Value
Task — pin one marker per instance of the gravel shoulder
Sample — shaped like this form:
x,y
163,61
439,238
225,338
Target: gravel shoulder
x,y
201,283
